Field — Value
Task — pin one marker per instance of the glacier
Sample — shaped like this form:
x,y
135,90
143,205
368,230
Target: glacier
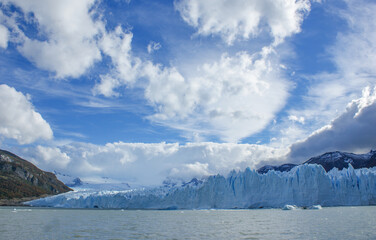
x,y
304,185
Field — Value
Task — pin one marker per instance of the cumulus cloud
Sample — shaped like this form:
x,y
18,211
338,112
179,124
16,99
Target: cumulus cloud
x,y
244,19
107,86
69,46
51,157
117,45
151,164
190,170
231,98
4,36
19,120
353,131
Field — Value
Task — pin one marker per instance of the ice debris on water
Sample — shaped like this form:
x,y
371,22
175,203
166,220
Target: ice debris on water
x,y
294,207
289,207
315,207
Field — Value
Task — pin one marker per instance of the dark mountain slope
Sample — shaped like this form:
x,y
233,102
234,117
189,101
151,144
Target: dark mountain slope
x,y
282,168
21,179
331,160
342,160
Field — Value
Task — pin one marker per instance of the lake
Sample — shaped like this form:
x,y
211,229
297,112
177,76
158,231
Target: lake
x,y
50,223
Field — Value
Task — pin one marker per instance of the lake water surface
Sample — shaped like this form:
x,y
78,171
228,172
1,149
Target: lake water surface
x,y
49,223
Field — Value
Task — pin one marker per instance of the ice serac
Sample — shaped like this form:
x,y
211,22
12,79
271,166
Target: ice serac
x,y
304,185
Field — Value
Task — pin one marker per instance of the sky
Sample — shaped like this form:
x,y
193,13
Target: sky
x,y
143,91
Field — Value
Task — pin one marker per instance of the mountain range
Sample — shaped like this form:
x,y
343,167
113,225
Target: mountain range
x,y
330,160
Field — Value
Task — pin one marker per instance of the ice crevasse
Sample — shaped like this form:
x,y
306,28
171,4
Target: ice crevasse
x,y
304,185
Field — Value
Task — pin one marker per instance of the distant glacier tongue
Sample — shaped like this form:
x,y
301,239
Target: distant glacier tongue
x,y
304,185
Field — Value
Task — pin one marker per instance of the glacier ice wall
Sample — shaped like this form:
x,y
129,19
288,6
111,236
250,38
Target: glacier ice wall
x,y
304,185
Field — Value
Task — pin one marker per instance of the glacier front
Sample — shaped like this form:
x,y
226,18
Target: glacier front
x,y
304,185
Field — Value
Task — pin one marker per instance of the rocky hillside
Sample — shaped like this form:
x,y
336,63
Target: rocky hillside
x,y
342,160
331,160
20,179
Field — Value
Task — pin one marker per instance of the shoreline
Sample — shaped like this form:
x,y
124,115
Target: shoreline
x,y
13,202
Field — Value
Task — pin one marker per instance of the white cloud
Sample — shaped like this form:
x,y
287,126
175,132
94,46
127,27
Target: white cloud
x,y
70,47
153,46
352,131
151,164
51,157
234,19
231,98
19,120
168,92
73,39
117,45
245,90
296,119
353,53
4,36
107,86
190,170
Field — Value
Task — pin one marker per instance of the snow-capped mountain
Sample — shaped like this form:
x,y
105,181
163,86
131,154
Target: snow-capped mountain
x,y
282,168
68,180
103,184
342,160
331,160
